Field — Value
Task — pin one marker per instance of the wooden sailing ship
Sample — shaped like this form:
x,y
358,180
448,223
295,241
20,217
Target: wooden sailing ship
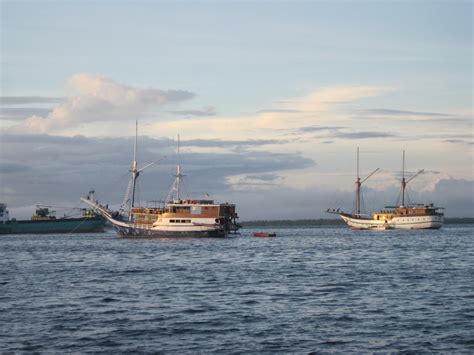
x,y
178,217
403,216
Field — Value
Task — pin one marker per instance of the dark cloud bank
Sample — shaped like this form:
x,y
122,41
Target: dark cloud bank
x,y
57,170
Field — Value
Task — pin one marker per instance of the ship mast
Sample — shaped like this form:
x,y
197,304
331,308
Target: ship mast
x,y
359,183
175,192
405,182
135,174
178,174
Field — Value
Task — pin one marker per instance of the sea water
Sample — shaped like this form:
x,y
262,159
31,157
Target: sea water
x,y
308,289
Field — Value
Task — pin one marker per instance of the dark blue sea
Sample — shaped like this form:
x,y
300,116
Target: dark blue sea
x,y
307,290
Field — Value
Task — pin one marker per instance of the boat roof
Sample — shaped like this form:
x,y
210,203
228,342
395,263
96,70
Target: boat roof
x,y
190,202
419,205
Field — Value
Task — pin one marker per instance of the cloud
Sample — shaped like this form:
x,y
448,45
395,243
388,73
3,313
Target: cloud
x,y
100,99
20,113
390,112
290,114
456,196
276,110
263,177
340,132
322,99
319,128
22,100
257,182
361,135
58,169
412,116
230,143
205,111
459,141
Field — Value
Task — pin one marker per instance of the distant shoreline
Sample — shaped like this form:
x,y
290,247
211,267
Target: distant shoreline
x,y
328,222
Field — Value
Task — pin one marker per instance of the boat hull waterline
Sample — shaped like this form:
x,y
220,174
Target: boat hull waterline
x,y
134,231
423,222
64,226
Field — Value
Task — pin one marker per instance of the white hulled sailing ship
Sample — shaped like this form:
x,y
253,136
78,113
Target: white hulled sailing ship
x,y
178,217
403,216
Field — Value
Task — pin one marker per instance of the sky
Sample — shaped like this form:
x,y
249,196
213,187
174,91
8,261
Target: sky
x,y
271,101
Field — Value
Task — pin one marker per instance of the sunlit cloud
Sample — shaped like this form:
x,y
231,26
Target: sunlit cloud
x,y
305,111
99,99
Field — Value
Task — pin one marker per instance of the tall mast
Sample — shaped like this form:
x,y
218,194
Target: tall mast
x,y
178,173
359,183
404,183
175,192
134,171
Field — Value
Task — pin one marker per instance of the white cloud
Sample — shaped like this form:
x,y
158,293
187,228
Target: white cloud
x,y
99,99
315,107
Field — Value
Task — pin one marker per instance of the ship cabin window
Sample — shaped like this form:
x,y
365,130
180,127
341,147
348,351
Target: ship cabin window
x,y
181,209
180,221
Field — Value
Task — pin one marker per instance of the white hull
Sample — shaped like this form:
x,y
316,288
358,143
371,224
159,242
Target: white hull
x,y
412,222
130,229
137,230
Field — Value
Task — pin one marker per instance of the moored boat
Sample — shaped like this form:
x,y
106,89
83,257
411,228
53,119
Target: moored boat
x,y
403,216
178,217
44,222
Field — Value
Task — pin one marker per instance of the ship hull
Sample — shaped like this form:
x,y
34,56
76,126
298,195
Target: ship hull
x,y
137,232
412,222
67,225
166,225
